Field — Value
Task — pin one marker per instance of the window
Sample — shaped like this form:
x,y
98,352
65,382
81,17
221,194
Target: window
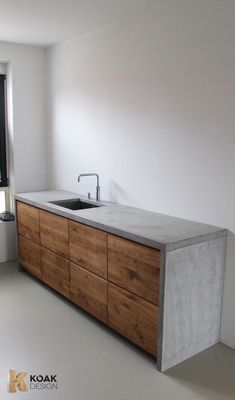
x,y
3,163
5,204
2,201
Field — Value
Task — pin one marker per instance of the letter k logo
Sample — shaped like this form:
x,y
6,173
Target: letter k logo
x,y
16,381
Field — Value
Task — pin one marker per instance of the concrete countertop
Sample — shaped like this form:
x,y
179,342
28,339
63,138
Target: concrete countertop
x,y
149,228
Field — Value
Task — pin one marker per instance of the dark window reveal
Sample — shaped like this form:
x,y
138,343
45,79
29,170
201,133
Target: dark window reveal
x,y
3,161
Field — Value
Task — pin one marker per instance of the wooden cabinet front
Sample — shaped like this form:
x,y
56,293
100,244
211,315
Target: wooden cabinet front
x,y
28,221
134,267
29,256
54,233
55,271
89,291
133,317
114,279
88,248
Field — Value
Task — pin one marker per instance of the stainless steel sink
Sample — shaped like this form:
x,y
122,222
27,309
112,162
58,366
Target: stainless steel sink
x,y
74,204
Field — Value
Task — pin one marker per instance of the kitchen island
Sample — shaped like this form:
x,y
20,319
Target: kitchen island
x,y
155,279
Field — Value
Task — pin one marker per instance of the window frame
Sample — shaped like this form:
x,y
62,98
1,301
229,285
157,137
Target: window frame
x,y
3,150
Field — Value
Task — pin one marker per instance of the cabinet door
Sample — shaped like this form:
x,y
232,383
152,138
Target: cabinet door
x,y
134,267
89,291
133,317
28,221
88,248
55,271
54,233
29,256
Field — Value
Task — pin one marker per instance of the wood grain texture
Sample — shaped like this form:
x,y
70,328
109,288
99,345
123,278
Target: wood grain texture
x,y
134,267
28,221
89,291
88,248
55,271
29,256
133,317
54,233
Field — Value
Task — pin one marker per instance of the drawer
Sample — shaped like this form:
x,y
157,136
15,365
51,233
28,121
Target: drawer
x,y
55,271
134,267
29,256
28,221
88,291
133,317
88,248
54,233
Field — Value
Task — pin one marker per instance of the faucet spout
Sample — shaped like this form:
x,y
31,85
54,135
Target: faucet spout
x,y
97,183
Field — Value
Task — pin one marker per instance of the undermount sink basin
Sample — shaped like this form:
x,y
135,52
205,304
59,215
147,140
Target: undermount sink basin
x,y
74,204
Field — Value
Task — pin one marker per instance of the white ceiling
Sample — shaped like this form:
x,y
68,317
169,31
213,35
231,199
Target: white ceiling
x,y
47,22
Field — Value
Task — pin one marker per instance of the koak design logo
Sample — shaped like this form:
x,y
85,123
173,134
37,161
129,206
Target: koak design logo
x,y
16,381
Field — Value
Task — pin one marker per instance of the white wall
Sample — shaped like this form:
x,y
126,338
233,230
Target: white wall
x,y
7,241
27,112
3,68
26,103
149,105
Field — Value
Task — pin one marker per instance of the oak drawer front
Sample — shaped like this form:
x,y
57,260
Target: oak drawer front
x,y
55,271
54,233
88,248
89,291
29,256
28,221
134,267
133,317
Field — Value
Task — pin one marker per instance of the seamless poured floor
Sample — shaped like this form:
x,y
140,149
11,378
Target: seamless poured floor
x,y
41,333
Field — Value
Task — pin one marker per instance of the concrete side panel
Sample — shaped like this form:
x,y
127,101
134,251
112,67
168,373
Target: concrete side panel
x,y
192,300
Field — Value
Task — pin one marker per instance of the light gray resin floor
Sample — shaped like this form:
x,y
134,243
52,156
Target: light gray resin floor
x,y
41,333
